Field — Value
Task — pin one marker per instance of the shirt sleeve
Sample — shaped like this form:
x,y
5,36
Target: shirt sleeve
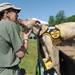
x,y
15,37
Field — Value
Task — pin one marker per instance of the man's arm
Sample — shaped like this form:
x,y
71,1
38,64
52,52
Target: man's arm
x,y
23,49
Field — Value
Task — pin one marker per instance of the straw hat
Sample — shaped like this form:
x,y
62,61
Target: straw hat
x,y
4,6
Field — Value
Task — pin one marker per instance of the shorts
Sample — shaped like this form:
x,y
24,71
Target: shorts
x,y
10,70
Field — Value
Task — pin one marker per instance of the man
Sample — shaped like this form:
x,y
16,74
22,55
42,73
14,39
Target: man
x,y
13,46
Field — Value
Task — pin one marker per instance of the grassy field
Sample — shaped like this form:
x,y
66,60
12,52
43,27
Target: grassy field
x,y
29,61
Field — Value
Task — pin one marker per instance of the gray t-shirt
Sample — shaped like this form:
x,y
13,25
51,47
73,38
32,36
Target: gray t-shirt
x,y
10,43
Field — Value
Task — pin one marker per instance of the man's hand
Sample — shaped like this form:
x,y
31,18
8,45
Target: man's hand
x,y
20,54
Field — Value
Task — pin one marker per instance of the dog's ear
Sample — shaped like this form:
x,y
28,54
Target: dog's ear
x,y
43,29
35,30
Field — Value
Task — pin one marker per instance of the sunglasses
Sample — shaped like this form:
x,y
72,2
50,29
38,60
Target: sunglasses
x,y
12,10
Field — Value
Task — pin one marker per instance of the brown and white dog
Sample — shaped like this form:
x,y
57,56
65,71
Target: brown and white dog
x,y
49,39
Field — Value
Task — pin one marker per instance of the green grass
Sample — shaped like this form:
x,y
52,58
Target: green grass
x,y
29,61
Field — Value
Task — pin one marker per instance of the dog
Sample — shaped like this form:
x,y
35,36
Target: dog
x,y
49,40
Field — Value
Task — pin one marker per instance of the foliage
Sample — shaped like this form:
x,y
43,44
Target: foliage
x,y
60,18
71,18
51,20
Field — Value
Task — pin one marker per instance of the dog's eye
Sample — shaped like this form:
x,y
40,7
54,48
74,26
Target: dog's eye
x,y
37,26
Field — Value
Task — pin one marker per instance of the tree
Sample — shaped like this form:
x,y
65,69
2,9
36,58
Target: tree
x,y
60,17
71,18
51,21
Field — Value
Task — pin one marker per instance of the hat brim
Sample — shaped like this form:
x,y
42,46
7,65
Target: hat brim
x,y
16,8
8,7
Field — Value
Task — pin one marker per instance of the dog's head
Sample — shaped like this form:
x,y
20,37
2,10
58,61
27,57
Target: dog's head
x,y
35,25
38,28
